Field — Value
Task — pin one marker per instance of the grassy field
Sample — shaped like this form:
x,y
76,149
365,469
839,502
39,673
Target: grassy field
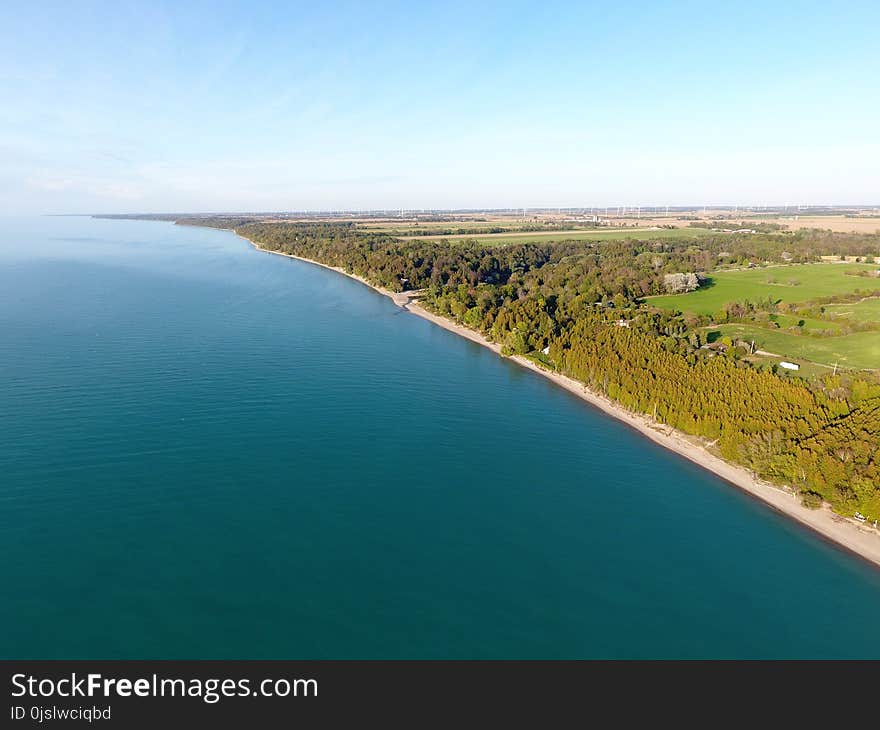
x,y
860,350
807,369
600,234
795,283
867,310
805,324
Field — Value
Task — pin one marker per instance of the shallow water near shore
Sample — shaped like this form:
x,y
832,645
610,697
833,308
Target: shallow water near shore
x,y
211,452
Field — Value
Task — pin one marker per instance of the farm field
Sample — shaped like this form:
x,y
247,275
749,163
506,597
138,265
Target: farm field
x,y
837,223
860,350
601,234
403,225
806,324
795,283
868,310
791,222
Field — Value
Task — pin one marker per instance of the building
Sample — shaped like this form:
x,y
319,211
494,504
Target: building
x,y
789,365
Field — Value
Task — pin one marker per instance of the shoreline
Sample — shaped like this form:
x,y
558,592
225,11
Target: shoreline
x,y
843,532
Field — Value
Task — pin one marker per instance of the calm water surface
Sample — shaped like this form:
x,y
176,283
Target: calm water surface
x,y
208,451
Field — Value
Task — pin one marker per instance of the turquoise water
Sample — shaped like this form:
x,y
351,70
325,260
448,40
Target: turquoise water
x,y
208,451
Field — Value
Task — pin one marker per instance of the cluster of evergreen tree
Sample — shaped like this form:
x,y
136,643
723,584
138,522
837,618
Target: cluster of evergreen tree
x,y
582,300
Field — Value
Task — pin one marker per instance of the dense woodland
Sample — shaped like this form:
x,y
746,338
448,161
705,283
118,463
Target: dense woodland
x,y
584,301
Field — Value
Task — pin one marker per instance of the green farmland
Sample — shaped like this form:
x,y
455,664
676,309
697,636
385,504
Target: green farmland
x,y
859,350
790,284
868,310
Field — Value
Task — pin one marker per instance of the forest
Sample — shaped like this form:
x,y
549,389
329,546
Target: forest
x,y
585,303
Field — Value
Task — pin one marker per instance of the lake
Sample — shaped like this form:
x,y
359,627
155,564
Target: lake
x,y
207,451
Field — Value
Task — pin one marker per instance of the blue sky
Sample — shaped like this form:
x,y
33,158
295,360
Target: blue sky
x,y
125,107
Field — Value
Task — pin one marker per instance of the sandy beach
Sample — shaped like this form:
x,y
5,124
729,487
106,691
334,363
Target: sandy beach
x,y
860,539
